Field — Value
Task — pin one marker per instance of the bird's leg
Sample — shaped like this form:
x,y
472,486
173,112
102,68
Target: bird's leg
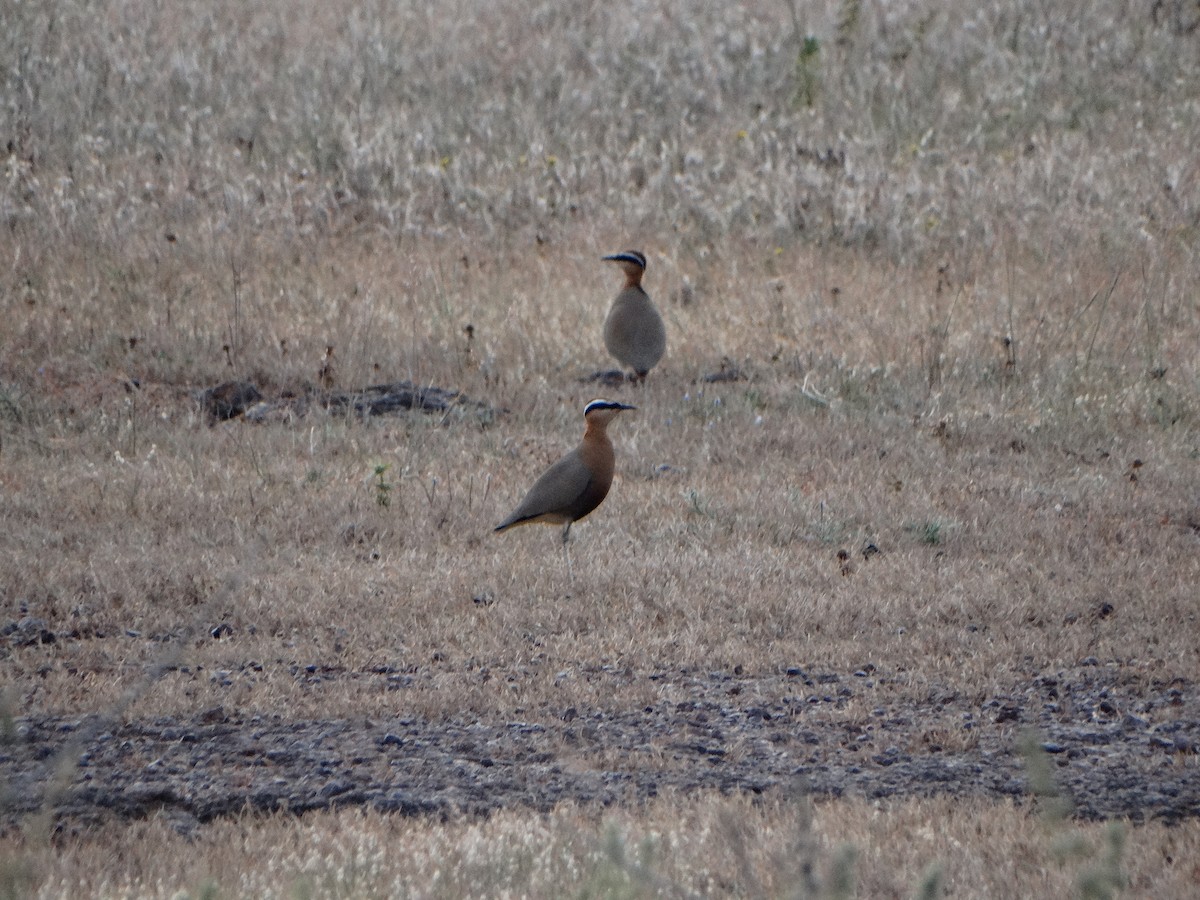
x,y
567,552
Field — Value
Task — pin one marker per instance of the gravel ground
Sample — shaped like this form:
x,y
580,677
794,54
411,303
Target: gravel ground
x,y
1117,749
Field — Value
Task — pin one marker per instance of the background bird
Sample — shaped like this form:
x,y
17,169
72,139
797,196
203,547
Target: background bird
x,y
634,331
577,483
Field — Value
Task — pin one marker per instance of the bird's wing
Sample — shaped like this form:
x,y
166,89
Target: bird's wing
x,y
555,492
560,485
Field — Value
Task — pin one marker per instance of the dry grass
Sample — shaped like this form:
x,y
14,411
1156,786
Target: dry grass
x,y
710,846
969,336
1004,511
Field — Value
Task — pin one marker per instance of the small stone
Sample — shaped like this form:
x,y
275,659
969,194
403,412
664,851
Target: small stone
x,y
212,715
334,788
1008,713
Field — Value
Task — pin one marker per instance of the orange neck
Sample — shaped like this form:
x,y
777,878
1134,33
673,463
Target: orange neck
x,y
633,274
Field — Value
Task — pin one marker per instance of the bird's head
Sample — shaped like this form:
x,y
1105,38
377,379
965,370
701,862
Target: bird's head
x,y
603,411
632,263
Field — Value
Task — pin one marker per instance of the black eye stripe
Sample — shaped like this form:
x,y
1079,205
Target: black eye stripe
x,y
605,404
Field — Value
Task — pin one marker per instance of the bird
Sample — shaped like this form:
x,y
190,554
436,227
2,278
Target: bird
x,y
577,483
634,331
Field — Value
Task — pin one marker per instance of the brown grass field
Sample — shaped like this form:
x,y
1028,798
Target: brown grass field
x,y
948,257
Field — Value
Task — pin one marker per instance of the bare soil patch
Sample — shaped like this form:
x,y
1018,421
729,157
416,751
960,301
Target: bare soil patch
x,y
1119,750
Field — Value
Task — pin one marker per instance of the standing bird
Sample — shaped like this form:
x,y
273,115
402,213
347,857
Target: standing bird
x,y
633,331
577,483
